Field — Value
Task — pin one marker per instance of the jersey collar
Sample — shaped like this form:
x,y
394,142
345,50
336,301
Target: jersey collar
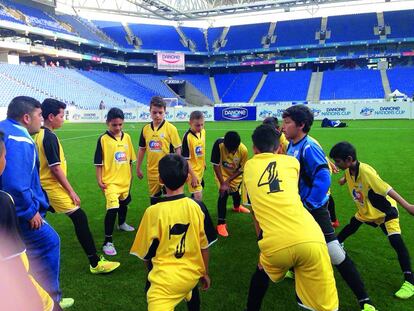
x,y
194,134
356,171
112,136
304,137
159,127
173,197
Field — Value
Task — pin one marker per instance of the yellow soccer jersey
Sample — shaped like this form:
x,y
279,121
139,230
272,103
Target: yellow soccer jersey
x,y
284,143
365,181
115,155
171,235
194,150
50,154
158,142
229,163
271,181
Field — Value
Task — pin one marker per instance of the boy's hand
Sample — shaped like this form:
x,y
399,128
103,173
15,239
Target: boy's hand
x,y
334,169
205,282
224,187
342,181
140,175
194,181
36,222
75,198
410,208
102,185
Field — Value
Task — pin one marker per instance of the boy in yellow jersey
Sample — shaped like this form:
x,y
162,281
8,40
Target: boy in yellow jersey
x,y
283,142
228,157
62,198
113,161
288,236
173,240
376,202
194,150
157,138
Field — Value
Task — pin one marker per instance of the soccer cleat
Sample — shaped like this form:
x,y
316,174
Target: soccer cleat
x,y
126,227
109,249
104,266
406,291
335,223
368,307
65,303
241,209
222,230
290,275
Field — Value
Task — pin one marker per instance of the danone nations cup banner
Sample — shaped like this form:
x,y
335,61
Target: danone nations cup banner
x,y
170,61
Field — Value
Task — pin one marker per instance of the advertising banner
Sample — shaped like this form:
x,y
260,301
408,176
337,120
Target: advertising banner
x,y
264,111
332,111
90,116
182,114
235,113
170,61
384,110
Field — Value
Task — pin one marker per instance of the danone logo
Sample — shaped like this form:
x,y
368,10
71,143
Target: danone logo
x,y
316,112
234,113
171,58
366,111
265,113
181,115
155,145
206,114
144,115
199,151
120,156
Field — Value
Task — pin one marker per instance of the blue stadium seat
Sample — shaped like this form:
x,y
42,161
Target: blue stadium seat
x,y
237,87
401,23
244,37
200,81
197,36
402,78
116,31
212,35
297,32
357,27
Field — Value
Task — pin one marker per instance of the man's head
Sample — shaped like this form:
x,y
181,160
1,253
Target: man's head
x,y
265,139
232,141
196,121
173,170
27,111
115,120
343,154
157,109
2,153
53,112
297,120
273,121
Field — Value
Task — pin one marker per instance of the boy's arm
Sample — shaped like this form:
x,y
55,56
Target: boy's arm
x,y
140,158
397,197
178,150
64,182
99,177
194,179
205,279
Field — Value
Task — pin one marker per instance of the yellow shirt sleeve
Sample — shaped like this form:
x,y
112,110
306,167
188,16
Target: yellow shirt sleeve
x,y
243,158
375,182
146,236
132,154
175,138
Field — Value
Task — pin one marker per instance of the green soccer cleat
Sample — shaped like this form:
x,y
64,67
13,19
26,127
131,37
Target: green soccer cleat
x,y
65,303
104,266
406,291
368,307
290,275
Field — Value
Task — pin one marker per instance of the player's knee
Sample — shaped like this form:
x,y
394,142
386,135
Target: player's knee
x,y
336,252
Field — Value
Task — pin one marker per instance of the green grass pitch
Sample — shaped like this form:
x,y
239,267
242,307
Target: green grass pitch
x,y
387,145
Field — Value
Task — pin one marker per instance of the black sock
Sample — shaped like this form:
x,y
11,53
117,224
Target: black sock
x,y
352,277
222,207
258,287
110,218
236,199
349,229
194,303
84,235
331,209
403,256
122,213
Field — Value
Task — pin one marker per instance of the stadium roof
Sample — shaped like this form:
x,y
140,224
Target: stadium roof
x,y
190,9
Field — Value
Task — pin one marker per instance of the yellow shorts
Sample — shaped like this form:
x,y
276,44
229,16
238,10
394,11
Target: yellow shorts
x,y
234,185
314,278
160,298
391,226
60,201
154,186
113,195
200,185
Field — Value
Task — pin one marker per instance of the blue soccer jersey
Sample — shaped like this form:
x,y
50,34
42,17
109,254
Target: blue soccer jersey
x,y
315,180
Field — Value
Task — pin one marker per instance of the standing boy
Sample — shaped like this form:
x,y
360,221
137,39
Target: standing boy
x,y
228,157
158,138
376,202
62,197
194,150
113,161
173,240
288,236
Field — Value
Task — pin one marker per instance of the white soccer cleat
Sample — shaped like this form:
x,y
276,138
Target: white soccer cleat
x,y
126,227
109,249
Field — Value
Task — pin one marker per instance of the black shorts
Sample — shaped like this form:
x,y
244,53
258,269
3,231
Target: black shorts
x,y
322,217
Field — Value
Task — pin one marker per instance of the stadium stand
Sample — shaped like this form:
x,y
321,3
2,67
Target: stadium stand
x,y
401,23
4,15
237,39
212,35
285,86
297,32
352,84
355,27
152,82
115,31
402,78
197,36
237,87
200,81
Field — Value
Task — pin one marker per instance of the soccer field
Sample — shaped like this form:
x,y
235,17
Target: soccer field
x,y
386,145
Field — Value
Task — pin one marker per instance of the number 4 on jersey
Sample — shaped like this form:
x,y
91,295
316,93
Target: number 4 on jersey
x,y
270,177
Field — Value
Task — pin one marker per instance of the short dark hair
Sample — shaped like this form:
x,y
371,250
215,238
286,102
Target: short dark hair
x,y
196,115
232,140
173,170
266,138
51,106
21,105
1,143
300,114
158,101
343,150
114,113
273,121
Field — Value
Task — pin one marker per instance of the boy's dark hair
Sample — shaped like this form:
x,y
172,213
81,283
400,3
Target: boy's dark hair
x,y
273,121
1,143
173,170
266,138
158,101
196,115
21,105
342,151
232,141
114,113
300,114
51,106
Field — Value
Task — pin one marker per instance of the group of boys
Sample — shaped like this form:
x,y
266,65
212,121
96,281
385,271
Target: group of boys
x,y
286,183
